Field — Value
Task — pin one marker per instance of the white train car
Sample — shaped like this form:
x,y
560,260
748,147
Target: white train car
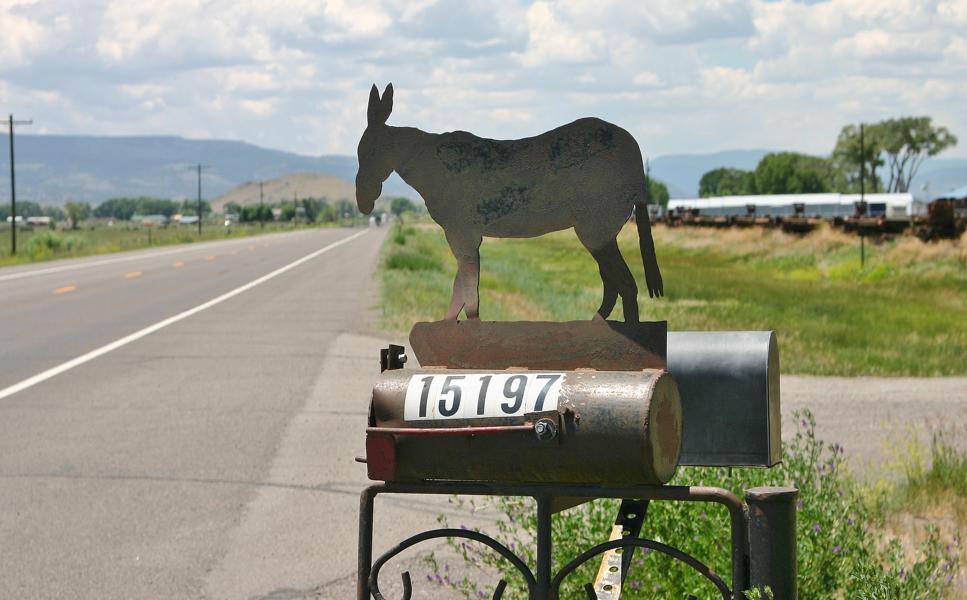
x,y
824,206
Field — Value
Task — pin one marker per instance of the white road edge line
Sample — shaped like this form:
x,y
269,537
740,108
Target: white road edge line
x,y
80,360
140,255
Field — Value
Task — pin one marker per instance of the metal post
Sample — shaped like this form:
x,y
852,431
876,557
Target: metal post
x,y
862,166
199,200
862,194
13,198
261,206
772,540
13,190
365,550
544,545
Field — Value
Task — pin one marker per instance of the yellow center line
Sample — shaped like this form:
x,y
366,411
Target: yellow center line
x,y
64,290
132,274
251,247
210,257
179,264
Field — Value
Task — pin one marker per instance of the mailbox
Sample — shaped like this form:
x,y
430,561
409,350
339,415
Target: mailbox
x,y
729,385
525,426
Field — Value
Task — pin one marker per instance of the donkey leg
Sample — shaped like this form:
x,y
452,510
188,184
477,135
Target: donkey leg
x,y
599,245
610,296
613,265
466,285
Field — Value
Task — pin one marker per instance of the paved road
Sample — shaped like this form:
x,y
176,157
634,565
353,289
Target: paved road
x,y
52,312
129,476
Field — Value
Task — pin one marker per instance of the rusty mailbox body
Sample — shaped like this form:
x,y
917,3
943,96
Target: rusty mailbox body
x,y
525,426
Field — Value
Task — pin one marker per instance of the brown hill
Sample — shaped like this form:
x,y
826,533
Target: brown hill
x,y
283,189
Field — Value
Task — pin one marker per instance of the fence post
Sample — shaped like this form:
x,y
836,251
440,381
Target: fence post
x,y
772,540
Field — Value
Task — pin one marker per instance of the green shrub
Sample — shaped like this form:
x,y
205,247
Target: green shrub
x,y
840,552
46,240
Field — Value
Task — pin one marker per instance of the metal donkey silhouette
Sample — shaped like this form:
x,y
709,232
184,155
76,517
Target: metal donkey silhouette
x,y
587,175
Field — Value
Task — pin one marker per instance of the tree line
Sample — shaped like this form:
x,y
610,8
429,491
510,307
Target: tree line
x,y
311,210
883,157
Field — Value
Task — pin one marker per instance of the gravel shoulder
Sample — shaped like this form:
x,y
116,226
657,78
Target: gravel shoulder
x,y
876,418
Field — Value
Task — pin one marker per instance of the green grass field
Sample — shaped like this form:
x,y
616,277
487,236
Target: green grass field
x,y
904,313
44,244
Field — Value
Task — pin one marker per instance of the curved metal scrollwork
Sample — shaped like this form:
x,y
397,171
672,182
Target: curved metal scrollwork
x,y
449,533
675,553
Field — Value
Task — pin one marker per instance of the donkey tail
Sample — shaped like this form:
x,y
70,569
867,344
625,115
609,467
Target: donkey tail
x,y
652,272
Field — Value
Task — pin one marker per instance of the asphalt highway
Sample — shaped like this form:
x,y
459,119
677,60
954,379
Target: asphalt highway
x,y
143,470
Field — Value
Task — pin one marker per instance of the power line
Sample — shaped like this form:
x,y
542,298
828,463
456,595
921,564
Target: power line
x,y
13,188
199,168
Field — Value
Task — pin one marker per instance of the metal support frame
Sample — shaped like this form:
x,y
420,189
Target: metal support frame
x,y
772,540
542,584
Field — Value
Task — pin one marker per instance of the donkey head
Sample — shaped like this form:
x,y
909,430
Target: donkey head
x,y
375,163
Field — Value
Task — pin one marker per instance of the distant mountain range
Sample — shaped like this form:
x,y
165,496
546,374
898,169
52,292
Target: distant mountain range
x,y
57,168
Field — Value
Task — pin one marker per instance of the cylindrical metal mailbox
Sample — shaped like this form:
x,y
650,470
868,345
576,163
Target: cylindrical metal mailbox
x,y
594,427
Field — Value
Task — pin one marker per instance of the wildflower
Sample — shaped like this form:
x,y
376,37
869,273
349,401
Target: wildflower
x,y
817,528
837,548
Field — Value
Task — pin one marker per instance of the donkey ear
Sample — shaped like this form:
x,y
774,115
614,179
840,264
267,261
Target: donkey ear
x,y
385,105
373,110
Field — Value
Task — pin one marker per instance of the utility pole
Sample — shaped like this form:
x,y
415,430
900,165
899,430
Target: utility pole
x,y
862,166
199,168
261,206
862,196
13,189
647,182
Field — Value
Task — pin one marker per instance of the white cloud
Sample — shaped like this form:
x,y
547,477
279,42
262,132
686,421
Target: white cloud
x,y
294,74
550,40
646,78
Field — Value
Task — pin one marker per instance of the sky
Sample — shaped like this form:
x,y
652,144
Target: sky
x,y
683,76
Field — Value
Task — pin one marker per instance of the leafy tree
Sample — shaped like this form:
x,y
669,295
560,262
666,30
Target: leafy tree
x,y
190,207
55,213
793,173
123,209
657,192
254,213
26,208
907,142
328,214
345,207
288,212
77,212
233,208
851,158
725,181
400,205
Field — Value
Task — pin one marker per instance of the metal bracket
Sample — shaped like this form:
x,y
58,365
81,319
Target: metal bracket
x,y
392,358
